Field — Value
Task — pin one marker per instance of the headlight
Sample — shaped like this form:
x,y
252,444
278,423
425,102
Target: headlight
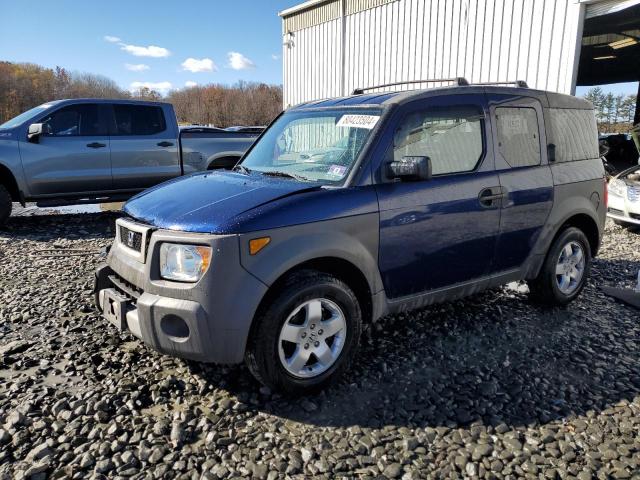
x,y
617,187
185,263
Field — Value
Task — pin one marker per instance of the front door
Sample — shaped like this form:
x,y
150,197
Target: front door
x,y
439,232
72,154
144,146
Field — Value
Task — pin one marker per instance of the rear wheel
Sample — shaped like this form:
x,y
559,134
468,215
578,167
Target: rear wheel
x,y
565,270
307,335
5,204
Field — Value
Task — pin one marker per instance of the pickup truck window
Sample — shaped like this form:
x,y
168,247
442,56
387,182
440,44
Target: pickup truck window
x,y
138,119
316,146
73,121
23,117
451,137
518,135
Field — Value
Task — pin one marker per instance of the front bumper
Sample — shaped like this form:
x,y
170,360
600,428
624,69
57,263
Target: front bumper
x,y
206,321
623,210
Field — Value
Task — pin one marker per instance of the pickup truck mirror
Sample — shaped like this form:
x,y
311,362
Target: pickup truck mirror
x,y
411,168
35,130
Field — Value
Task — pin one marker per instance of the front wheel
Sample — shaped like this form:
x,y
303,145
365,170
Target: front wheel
x,y
307,335
565,270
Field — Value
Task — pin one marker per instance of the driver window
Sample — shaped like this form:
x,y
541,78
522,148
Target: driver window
x,y
73,121
451,137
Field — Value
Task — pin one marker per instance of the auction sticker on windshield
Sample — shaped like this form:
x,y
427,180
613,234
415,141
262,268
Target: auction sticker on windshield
x,y
337,171
358,121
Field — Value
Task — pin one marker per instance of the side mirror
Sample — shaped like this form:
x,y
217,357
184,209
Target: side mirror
x,y
411,168
35,130
551,152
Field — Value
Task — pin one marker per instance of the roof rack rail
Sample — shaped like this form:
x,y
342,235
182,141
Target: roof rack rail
x,y
515,83
460,81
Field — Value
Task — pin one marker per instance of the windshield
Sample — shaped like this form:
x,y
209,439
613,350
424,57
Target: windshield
x,y
313,146
23,117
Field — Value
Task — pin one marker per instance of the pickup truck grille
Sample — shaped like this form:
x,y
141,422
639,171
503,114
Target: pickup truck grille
x,y
633,193
131,239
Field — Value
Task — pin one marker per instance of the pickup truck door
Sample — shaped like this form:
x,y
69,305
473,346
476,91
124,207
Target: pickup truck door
x,y
144,146
72,154
439,232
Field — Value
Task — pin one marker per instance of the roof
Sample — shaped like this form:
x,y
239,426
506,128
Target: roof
x,y
385,99
112,100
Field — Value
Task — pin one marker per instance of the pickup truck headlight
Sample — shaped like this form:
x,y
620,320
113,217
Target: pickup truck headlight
x,y
617,187
184,263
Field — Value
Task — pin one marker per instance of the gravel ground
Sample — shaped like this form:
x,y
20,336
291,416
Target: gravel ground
x,y
489,387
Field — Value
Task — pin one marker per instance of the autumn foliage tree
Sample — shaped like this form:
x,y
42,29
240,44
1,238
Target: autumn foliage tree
x,y
220,105
24,85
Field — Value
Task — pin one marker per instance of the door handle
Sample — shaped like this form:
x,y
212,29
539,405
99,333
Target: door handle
x,y
96,145
165,144
489,197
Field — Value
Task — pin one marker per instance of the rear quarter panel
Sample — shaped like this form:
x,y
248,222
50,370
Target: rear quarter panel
x,y
579,189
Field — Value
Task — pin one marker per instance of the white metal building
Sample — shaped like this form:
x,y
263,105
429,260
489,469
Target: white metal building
x,y
331,47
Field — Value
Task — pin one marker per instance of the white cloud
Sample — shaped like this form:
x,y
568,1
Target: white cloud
x,y
150,51
136,67
190,83
162,87
275,57
110,39
237,61
199,65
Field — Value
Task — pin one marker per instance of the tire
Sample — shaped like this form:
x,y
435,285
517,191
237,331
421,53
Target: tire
x,y
5,204
552,288
293,312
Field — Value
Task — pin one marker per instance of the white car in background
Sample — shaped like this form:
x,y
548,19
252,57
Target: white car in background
x,y
624,197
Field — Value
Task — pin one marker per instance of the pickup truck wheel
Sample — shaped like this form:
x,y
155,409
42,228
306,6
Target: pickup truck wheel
x,y
5,204
307,335
565,270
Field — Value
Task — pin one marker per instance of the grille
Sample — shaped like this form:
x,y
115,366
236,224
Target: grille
x,y
125,288
131,239
633,194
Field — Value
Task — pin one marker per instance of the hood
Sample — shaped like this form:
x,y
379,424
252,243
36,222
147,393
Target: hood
x,y
208,202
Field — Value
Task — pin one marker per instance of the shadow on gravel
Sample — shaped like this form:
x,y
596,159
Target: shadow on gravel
x,y
44,228
493,359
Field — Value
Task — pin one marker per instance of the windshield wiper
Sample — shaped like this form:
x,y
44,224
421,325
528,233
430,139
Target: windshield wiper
x,y
278,173
241,168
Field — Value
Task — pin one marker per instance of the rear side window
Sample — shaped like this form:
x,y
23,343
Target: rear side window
x,y
451,137
575,134
518,135
81,120
138,119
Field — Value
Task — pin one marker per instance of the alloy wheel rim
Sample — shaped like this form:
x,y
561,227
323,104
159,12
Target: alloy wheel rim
x,y
570,267
312,338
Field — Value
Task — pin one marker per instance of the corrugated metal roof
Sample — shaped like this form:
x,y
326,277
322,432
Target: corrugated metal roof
x,y
315,12
605,7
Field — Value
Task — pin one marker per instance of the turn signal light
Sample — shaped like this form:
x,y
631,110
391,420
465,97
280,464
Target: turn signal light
x,y
258,244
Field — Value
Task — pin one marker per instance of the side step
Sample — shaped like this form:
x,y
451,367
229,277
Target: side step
x,y
61,202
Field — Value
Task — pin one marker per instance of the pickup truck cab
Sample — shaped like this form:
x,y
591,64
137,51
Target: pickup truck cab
x,y
408,198
88,150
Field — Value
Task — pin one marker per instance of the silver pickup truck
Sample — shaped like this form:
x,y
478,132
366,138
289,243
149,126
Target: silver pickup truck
x,y
95,150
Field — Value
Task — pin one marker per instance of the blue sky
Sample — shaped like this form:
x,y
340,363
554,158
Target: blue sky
x,y
226,40
215,41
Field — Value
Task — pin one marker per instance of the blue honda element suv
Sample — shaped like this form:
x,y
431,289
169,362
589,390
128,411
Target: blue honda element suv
x,y
349,209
